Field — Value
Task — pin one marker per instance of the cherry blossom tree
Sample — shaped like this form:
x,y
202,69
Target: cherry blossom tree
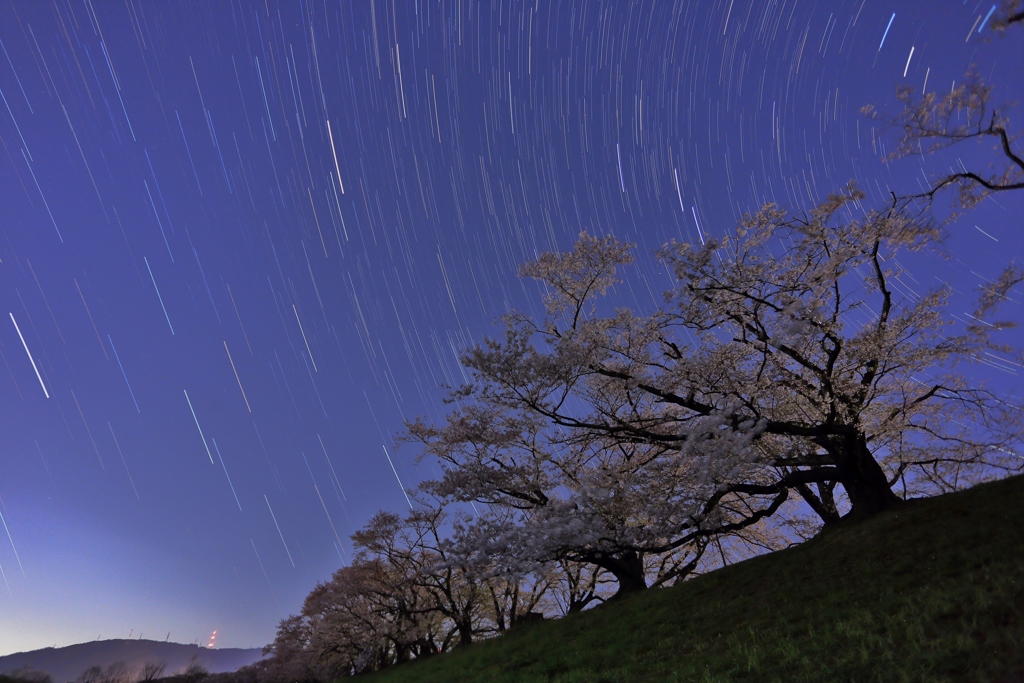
x,y
473,597
404,596
576,585
784,361
932,122
416,549
1010,12
367,617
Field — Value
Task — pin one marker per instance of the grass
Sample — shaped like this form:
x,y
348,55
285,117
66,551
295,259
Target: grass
x,y
933,592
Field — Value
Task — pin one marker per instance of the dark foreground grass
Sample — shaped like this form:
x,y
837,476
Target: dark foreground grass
x,y
933,592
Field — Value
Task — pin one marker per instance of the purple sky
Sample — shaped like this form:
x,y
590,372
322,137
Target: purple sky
x,y
280,223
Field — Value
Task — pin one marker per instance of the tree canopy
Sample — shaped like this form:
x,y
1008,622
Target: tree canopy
x,y
783,362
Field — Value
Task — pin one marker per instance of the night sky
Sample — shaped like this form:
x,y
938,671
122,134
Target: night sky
x,y
241,242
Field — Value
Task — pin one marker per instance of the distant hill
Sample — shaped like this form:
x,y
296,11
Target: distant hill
x,y
67,663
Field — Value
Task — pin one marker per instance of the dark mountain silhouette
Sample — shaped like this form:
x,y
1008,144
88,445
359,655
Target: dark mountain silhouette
x,y
67,663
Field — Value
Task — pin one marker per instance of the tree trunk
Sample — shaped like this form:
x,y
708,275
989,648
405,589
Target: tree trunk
x,y
425,647
824,507
628,570
577,604
465,632
865,481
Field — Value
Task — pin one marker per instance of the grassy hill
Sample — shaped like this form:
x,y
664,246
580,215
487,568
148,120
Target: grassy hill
x,y
934,592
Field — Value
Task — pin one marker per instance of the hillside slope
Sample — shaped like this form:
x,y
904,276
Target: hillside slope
x,y
934,592
67,663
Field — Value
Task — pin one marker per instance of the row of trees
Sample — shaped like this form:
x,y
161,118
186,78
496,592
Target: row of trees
x,y
116,672
150,672
119,672
786,382
413,590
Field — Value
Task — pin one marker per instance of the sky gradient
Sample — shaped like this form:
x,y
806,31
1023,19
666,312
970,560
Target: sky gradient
x,y
241,242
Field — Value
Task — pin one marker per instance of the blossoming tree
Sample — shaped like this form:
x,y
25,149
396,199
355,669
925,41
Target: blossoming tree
x,y
783,362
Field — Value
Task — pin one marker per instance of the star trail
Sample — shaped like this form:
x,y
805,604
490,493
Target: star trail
x,y
297,215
